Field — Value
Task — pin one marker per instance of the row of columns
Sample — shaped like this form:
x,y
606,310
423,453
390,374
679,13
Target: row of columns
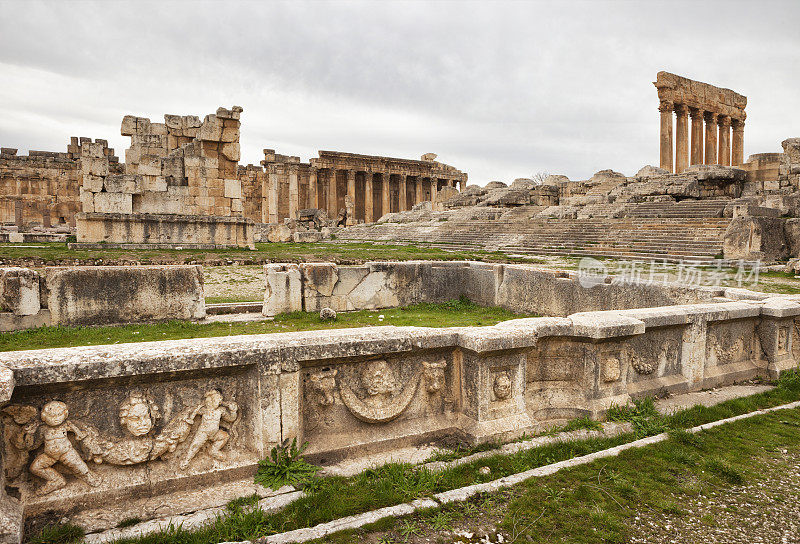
x,y
329,200
370,178
714,145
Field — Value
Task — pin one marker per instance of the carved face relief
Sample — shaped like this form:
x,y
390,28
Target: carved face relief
x,y
323,383
377,379
135,415
54,413
434,375
502,386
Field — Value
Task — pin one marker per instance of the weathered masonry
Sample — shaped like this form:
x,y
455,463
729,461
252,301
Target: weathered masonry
x,y
182,183
97,432
719,110
366,186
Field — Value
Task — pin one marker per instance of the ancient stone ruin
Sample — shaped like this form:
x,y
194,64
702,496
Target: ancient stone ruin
x,y
182,185
722,110
89,427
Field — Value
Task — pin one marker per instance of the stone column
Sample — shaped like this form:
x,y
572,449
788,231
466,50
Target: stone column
x,y
294,192
265,193
420,194
351,192
462,184
738,143
368,208
666,108
711,138
697,136
273,194
682,137
403,200
724,140
312,188
434,189
333,206
386,196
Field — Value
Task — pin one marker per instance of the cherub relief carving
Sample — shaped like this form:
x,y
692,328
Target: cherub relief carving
x,y
213,411
27,430
58,449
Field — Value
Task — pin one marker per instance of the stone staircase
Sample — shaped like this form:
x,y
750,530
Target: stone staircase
x,y
654,230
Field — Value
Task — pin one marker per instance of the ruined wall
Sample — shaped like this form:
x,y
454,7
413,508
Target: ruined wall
x,y
96,295
41,189
139,409
520,288
182,166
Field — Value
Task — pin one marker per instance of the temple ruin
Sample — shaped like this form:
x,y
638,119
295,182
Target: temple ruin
x,y
182,184
719,110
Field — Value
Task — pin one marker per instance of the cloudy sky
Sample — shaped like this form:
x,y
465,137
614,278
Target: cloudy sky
x,y
498,89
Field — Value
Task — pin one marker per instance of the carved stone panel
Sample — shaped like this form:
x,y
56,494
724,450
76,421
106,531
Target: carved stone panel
x,y
64,444
375,399
731,342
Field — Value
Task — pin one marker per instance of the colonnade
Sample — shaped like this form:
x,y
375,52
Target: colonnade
x,y
715,138
370,194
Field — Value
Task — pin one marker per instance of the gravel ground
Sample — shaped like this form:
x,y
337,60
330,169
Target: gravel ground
x,y
239,282
764,512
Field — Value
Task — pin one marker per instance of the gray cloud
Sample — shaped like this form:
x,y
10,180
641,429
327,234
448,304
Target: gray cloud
x,y
501,90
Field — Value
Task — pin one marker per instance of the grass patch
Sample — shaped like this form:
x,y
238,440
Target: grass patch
x,y
57,534
597,502
457,313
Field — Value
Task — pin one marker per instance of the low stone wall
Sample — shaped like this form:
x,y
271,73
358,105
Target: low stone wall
x,y
166,230
519,288
96,295
147,419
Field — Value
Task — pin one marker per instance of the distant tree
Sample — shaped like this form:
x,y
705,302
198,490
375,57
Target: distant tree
x,y
539,177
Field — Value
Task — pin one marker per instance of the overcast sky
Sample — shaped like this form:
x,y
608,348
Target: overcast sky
x,y
498,89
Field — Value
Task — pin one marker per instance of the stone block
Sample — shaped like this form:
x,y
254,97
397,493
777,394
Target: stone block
x,y
124,183
19,291
149,165
230,133
117,294
233,188
92,183
231,151
279,233
283,289
113,203
211,130
87,200
156,184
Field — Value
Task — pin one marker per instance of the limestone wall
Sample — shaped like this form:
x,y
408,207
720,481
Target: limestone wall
x,y
96,295
41,189
138,407
519,288
154,230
